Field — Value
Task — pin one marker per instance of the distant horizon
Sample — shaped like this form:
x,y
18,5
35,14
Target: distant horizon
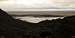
x,y
61,13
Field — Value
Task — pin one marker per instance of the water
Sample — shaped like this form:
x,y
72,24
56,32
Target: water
x,y
36,19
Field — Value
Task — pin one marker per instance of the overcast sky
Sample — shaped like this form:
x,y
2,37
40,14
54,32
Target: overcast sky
x,y
23,4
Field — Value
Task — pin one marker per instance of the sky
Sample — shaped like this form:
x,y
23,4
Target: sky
x,y
27,4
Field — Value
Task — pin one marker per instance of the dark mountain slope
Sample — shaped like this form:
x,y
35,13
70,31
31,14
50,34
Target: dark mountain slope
x,y
15,28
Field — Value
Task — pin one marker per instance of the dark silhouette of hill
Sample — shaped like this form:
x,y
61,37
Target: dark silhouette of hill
x,y
15,28
63,28
12,27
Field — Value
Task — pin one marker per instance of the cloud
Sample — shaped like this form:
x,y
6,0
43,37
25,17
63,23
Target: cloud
x,y
23,4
